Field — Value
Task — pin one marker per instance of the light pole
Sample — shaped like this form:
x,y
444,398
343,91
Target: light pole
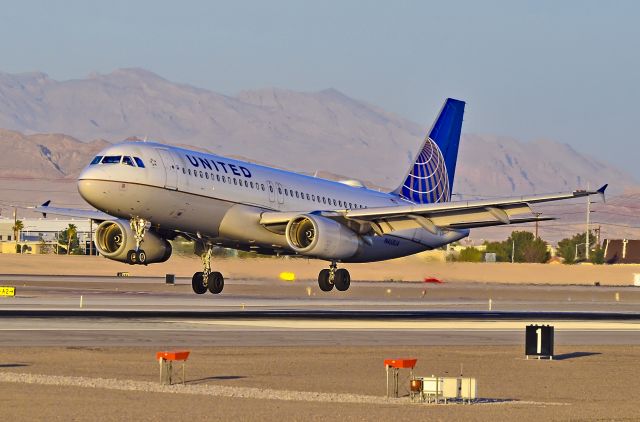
x,y
576,255
586,251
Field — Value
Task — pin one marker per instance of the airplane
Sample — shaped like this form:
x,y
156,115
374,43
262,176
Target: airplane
x,y
147,193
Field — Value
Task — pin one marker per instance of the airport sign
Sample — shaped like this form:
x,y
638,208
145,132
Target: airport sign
x,y
7,291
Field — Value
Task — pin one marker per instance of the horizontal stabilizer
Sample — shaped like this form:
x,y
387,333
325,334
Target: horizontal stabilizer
x,y
73,212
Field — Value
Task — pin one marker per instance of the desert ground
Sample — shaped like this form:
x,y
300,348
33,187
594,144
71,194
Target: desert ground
x,y
403,269
314,383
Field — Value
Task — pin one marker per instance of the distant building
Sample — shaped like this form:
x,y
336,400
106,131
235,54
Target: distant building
x,y
38,232
621,251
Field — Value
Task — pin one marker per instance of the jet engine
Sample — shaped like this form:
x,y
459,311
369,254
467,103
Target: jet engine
x,y
321,237
114,239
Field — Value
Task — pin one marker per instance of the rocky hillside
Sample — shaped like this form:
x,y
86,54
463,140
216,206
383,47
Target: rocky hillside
x,y
311,132
44,156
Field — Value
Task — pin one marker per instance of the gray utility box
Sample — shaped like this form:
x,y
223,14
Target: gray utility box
x,y
539,341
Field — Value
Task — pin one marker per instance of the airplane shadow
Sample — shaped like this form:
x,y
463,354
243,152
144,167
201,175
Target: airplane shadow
x,y
573,355
218,377
12,365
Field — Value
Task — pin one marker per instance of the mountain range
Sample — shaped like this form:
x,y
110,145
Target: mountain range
x,y
323,132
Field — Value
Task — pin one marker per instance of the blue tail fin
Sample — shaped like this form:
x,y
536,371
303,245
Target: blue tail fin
x,y
430,178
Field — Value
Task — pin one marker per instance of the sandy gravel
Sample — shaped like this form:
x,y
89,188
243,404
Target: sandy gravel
x,y
314,383
405,269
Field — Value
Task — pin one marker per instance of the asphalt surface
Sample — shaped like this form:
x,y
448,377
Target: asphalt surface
x,y
107,311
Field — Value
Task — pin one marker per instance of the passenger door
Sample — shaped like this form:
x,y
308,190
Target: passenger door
x,y
171,181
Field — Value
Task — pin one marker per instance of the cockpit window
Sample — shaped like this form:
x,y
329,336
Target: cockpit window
x,y
128,161
139,162
112,159
96,160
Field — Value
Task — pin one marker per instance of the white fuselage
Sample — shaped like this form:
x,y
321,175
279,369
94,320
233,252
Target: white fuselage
x,y
180,190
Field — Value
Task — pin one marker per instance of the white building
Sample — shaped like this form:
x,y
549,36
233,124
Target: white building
x,y
37,230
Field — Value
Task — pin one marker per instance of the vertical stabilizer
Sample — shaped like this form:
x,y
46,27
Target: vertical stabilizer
x,y
430,178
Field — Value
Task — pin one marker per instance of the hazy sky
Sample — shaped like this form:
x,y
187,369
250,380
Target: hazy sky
x,y
563,70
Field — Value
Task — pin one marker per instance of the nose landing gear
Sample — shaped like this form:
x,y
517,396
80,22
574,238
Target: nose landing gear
x,y
137,255
328,278
206,279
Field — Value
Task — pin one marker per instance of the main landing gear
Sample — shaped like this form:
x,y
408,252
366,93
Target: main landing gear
x,y
137,255
328,278
207,280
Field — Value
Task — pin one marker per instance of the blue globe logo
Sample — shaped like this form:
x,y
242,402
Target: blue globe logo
x,y
428,182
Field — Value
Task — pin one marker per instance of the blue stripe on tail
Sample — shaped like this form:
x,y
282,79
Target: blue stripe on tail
x,y
430,179
446,133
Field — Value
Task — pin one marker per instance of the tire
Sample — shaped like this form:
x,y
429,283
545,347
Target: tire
x,y
342,279
323,281
132,257
216,283
141,257
197,283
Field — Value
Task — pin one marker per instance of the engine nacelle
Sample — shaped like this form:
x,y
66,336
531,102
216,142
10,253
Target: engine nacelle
x,y
321,237
114,239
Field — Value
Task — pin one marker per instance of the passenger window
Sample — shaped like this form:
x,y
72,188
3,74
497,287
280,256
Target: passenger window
x,y
201,176
350,205
297,194
218,177
313,198
96,160
112,159
189,172
308,197
280,191
286,192
324,200
262,187
206,175
223,179
246,184
340,203
235,182
251,183
184,171
271,189
140,163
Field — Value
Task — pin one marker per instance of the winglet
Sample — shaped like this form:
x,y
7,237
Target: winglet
x,y
601,191
45,204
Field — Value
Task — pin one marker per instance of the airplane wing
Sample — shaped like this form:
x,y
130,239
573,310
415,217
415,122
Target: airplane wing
x,y
436,218
72,212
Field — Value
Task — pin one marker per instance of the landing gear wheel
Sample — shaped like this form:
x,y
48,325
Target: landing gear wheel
x,y
342,279
323,281
216,282
141,257
132,257
197,283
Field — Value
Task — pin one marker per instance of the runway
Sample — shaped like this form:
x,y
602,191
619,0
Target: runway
x,y
110,311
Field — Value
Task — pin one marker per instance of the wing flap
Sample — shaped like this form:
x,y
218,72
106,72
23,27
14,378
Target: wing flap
x,y
435,218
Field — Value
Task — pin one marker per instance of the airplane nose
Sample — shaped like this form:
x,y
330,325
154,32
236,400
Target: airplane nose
x,y
88,184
